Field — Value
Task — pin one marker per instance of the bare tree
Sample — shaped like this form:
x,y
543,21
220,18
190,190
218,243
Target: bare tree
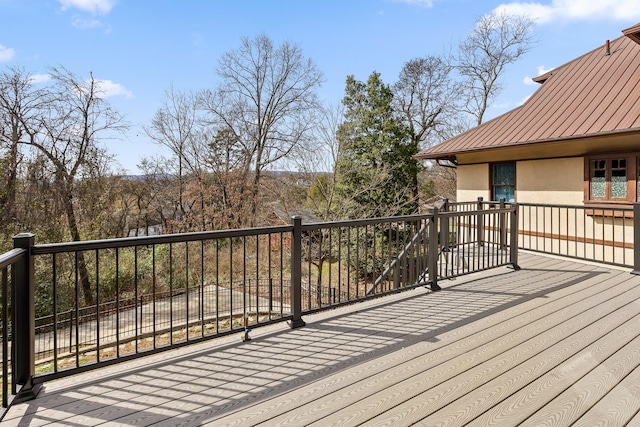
x,y
74,119
229,163
174,126
426,98
20,103
267,100
319,164
156,195
497,40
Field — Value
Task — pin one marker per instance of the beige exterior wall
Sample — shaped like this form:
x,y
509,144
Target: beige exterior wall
x,y
473,182
551,181
567,231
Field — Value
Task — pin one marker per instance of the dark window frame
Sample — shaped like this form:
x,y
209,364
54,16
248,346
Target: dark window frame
x,y
492,185
631,159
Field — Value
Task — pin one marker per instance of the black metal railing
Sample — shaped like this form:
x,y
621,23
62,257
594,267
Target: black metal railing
x,y
603,234
71,307
8,264
17,315
600,234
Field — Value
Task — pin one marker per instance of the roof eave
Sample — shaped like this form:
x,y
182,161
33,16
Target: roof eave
x,y
452,154
633,33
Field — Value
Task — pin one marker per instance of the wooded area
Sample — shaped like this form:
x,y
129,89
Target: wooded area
x,y
226,143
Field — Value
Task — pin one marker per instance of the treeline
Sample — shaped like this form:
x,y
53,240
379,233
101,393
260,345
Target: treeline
x,y
351,160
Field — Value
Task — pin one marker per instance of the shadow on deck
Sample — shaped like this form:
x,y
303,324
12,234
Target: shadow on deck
x,y
408,358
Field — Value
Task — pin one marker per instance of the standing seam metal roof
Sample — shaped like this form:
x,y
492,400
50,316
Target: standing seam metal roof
x,y
594,94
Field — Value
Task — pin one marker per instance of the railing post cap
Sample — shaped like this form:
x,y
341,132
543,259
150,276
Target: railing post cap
x,y
24,235
24,240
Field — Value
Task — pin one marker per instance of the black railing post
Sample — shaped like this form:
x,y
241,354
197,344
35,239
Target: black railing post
x,y
513,241
433,250
444,227
271,297
636,238
24,318
480,223
296,273
503,224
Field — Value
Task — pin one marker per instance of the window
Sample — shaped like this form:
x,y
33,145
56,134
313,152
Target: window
x,y
611,178
503,181
608,179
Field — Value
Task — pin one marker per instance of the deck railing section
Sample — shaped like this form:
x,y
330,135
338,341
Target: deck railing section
x,y
71,307
112,300
600,234
17,315
477,238
8,264
604,234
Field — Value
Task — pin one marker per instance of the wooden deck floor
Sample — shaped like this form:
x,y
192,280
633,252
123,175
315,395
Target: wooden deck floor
x,y
554,344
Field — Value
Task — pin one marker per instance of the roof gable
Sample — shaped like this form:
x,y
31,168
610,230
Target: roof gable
x,y
633,33
596,93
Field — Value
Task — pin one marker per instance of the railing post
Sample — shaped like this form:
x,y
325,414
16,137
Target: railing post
x,y
296,273
502,225
513,241
480,223
24,318
444,227
433,250
636,238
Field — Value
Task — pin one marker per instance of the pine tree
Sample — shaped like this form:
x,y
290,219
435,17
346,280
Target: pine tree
x,y
376,168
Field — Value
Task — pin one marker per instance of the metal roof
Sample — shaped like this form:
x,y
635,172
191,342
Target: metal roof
x,y
595,94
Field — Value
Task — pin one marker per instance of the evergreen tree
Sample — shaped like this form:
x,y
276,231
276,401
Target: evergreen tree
x,y
376,168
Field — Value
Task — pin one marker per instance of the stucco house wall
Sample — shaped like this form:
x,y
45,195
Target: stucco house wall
x,y
551,181
472,182
555,182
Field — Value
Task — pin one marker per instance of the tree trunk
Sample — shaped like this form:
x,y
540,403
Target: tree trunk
x,y
8,197
83,273
255,190
319,283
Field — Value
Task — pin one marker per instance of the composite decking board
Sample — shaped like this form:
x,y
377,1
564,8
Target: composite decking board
x,y
371,372
617,349
617,408
406,350
408,403
436,359
168,384
476,400
479,303
581,396
469,408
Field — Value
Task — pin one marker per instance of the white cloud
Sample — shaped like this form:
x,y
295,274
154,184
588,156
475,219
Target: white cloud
x,y
85,24
6,53
574,10
502,106
540,71
525,99
40,78
109,88
95,7
419,3
543,70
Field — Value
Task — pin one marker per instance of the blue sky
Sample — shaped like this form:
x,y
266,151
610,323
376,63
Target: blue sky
x,y
139,48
